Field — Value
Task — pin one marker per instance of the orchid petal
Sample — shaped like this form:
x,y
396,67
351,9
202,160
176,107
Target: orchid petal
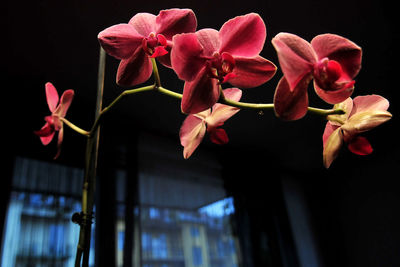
x,y
144,23
332,146
360,146
220,112
333,96
370,103
232,94
159,51
252,72
209,41
338,48
59,142
65,102
346,106
199,94
174,21
218,136
120,41
186,56
135,70
296,57
329,129
165,60
291,105
365,121
54,121
46,134
47,139
191,134
243,35
51,96
204,114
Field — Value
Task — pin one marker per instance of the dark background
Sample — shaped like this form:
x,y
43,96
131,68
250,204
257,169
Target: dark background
x,y
354,205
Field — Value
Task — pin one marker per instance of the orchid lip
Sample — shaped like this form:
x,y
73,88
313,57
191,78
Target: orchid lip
x,y
154,45
328,70
327,74
221,66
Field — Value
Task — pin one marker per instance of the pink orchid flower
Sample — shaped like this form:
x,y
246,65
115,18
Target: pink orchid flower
x,y
208,57
195,126
58,110
362,114
145,36
333,61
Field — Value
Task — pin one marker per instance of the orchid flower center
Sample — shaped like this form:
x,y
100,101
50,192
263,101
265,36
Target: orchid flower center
x,y
328,70
154,45
54,122
327,73
221,67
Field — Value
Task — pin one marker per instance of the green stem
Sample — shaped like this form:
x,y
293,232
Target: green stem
x,y
169,92
130,92
74,127
326,112
223,100
245,105
254,106
116,100
89,182
238,104
156,74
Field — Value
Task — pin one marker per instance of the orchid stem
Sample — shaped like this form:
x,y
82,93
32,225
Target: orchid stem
x,y
326,112
156,74
130,92
74,127
116,100
169,92
223,100
255,106
89,181
245,105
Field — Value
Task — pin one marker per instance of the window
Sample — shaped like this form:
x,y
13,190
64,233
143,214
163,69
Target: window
x,y
121,236
154,213
38,229
181,212
197,256
194,230
159,246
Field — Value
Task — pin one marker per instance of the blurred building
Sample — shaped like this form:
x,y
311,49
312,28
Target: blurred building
x,y
183,238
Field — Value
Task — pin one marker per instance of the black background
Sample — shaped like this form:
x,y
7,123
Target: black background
x,y
354,205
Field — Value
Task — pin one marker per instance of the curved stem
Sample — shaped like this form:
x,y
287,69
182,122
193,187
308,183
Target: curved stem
x,y
255,106
116,100
74,127
326,112
245,105
168,92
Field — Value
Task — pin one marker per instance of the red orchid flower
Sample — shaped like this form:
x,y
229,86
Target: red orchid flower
x,y
333,61
195,126
58,110
145,36
208,57
362,114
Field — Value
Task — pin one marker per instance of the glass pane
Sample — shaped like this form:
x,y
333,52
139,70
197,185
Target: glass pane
x,y
183,215
184,238
38,228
